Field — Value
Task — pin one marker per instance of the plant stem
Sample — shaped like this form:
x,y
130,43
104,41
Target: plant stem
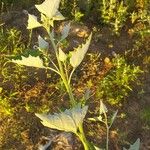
x,y
71,75
83,139
53,70
107,137
107,131
30,38
62,73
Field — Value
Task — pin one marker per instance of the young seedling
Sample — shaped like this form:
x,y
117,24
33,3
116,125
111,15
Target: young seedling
x,y
104,119
114,13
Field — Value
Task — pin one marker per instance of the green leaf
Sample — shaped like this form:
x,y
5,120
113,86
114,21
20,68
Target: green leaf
x,y
92,119
65,31
30,61
99,118
68,121
103,108
113,118
79,53
62,56
32,22
42,43
97,148
58,16
49,8
135,146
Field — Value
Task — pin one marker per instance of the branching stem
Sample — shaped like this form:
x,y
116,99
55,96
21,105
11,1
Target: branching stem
x,y
62,73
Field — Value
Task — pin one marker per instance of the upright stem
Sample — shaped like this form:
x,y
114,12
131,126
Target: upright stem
x,y
107,131
62,73
66,82
107,137
82,137
30,38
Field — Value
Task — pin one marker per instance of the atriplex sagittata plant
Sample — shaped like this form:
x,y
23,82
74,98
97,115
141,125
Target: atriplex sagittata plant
x,y
71,120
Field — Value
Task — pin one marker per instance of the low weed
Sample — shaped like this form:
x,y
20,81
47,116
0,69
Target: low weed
x,y
76,13
116,86
6,108
145,115
141,21
113,13
10,41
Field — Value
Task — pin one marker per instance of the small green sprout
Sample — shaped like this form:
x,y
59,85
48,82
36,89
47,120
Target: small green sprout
x,y
103,118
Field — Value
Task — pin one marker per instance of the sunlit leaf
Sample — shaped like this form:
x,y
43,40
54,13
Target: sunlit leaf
x,y
78,55
30,61
42,43
58,16
97,148
51,22
103,108
32,22
68,121
92,119
113,118
65,31
135,146
49,8
99,118
62,56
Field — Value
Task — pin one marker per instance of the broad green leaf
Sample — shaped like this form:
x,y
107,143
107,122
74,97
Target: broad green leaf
x,y
103,108
62,56
49,8
113,118
42,43
68,120
30,61
78,55
65,31
135,146
58,16
32,22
